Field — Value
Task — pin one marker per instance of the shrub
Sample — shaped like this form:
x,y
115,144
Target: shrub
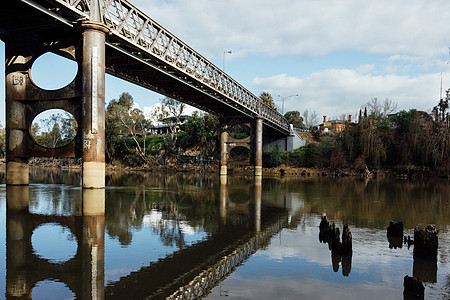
x,y
273,158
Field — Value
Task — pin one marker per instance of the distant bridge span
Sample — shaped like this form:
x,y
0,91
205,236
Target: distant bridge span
x,y
115,37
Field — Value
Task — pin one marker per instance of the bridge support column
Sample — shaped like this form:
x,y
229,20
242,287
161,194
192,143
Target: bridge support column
x,y
258,146
17,65
93,112
223,150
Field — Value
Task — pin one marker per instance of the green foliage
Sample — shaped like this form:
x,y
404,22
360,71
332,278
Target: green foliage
x,y
183,140
203,131
170,113
123,148
122,119
310,155
294,118
56,131
267,99
273,158
240,131
2,142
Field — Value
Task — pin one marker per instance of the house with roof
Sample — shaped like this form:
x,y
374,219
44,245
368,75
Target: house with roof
x,y
334,125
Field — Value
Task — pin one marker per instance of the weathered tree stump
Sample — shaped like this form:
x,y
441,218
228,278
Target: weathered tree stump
x,y
395,229
413,287
425,241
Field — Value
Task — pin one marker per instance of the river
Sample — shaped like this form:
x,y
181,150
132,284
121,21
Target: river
x,y
183,236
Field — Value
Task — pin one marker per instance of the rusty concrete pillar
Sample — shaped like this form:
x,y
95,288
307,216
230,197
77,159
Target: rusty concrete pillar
x,y
17,65
223,150
93,111
258,146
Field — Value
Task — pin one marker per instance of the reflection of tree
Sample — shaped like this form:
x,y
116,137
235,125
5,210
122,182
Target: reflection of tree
x,y
124,213
169,229
175,200
55,176
375,203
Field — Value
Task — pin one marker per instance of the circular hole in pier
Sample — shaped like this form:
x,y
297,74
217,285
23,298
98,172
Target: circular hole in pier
x,y
52,72
240,131
54,128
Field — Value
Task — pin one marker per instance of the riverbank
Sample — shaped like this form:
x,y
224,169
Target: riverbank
x,y
174,166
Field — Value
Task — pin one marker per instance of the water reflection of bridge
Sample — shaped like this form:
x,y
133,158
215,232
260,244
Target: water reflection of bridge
x,y
190,272
83,273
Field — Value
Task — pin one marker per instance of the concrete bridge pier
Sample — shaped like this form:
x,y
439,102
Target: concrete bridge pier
x,y
254,142
93,107
258,146
17,65
223,150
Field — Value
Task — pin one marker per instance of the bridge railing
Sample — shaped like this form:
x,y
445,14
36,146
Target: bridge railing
x,y
133,26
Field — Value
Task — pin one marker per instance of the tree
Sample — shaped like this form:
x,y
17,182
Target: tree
x,y
2,142
294,118
56,131
122,119
203,129
441,108
309,119
385,108
267,99
170,113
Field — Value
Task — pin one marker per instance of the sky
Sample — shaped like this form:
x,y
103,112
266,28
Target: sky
x,y
335,54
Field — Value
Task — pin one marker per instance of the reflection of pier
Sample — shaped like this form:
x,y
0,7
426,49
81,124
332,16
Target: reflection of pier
x,y
83,274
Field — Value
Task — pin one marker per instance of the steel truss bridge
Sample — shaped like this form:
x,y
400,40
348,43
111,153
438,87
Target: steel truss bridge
x,y
140,51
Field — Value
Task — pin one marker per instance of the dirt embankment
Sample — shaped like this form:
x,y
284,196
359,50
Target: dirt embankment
x,y
175,166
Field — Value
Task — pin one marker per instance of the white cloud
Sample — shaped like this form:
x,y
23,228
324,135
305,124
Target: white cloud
x,y
306,27
335,91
